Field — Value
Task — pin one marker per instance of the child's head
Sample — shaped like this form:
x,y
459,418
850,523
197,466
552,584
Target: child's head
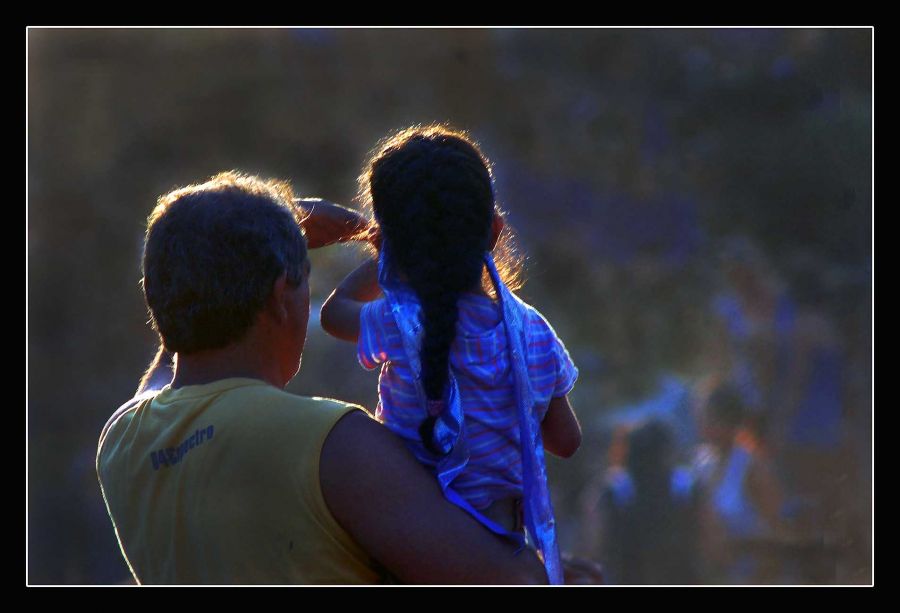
x,y
428,185
432,194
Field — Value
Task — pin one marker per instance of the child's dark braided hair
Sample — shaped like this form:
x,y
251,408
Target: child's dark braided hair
x,y
432,195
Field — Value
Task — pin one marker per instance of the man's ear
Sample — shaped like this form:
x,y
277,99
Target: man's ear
x,y
496,228
276,304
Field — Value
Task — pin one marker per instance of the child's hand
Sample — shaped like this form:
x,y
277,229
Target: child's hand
x,y
373,236
325,223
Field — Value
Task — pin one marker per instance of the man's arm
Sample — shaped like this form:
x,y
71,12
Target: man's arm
x,y
325,223
395,510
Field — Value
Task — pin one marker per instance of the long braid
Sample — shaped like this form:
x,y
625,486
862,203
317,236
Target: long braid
x,y
433,198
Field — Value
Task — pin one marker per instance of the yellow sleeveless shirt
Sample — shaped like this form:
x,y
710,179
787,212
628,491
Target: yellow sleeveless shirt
x,y
219,484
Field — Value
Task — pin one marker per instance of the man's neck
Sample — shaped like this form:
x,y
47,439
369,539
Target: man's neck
x,y
234,361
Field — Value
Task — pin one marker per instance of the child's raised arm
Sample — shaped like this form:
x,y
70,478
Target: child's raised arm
x,y
340,312
560,429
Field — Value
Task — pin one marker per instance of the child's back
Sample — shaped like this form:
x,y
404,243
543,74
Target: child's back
x,y
480,361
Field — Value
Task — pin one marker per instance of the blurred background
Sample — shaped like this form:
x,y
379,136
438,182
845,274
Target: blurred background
x,y
695,206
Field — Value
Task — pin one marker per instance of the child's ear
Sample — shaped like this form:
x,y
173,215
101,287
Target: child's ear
x,y
496,228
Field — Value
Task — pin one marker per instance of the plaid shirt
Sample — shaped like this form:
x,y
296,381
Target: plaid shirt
x,y
480,362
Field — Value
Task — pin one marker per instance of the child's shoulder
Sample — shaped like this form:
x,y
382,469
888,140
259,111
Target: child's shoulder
x,y
376,320
536,321
374,312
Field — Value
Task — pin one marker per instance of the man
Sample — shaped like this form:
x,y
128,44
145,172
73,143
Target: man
x,y
222,477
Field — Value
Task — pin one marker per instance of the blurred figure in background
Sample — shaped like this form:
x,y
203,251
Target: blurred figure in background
x,y
651,510
778,349
813,397
751,344
818,457
743,492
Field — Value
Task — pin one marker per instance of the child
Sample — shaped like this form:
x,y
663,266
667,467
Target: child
x,y
464,377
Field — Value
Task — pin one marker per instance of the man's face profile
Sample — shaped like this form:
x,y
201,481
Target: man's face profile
x,y
297,300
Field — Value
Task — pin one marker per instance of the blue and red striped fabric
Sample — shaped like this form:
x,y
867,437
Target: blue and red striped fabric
x,y
481,364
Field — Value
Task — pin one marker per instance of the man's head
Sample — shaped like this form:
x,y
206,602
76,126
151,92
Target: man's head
x,y
215,253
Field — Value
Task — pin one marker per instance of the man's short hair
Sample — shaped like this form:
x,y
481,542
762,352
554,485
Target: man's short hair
x,y
212,254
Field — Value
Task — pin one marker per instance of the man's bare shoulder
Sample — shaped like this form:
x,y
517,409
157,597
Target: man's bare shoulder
x,y
357,440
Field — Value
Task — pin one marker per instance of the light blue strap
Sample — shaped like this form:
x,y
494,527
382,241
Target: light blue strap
x,y
539,519
453,496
